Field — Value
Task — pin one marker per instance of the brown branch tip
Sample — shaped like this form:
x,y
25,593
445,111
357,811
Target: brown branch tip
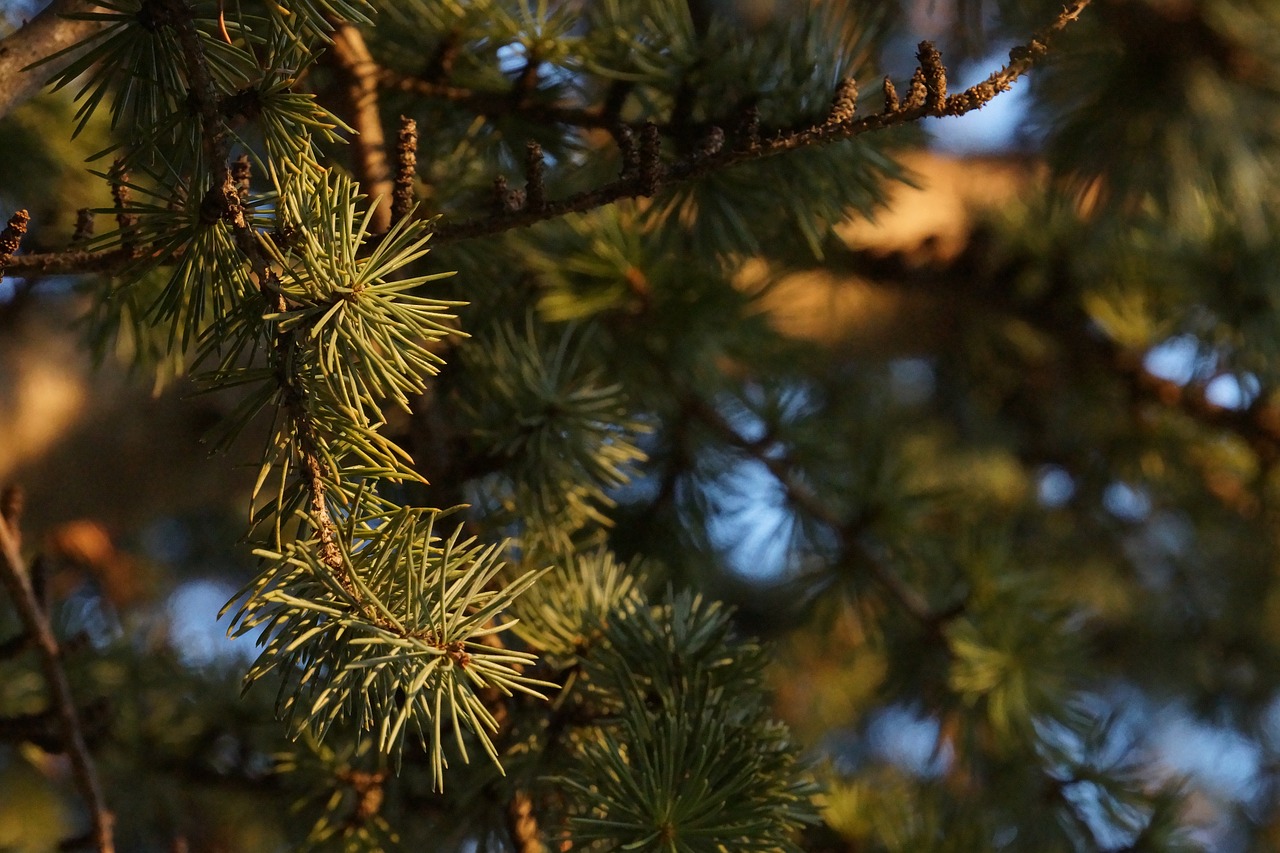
x,y
11,236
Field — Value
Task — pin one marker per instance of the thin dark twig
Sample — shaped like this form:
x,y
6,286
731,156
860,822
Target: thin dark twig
x,y
848,531
18,584
497,102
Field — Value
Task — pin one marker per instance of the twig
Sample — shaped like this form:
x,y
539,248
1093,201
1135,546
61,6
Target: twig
x,y
1057,313
11,237
406,169
120,194
848,531
698,165
1258,424
224,196
748,145
535,190
71,262
359,73
497,102
18,584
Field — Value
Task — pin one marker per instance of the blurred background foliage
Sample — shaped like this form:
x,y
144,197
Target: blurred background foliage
x,y
974,424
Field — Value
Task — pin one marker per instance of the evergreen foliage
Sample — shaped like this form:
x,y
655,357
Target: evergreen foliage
x,y
489,284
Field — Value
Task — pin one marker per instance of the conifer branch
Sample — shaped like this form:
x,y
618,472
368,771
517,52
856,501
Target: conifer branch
x,y
69,262
1257,424
650,174
654,175
17,582
224,195
360,77
43,36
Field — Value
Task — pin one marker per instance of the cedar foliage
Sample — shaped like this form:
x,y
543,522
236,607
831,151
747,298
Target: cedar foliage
x,y
524,428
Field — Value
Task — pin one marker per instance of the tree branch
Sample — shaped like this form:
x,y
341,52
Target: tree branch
x,y
360,78
41,37
847,531
705,159
497,102
18,584
224,196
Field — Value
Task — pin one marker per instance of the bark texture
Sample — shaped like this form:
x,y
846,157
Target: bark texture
x,y
42,36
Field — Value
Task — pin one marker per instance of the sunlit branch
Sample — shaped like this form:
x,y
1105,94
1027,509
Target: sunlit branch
x,y
743,143
18,584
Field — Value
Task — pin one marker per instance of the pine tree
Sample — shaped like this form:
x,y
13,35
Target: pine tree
x,y
492,294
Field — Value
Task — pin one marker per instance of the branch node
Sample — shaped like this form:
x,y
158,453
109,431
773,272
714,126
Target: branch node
x,y
935,77
650,159
402,198
844,104
84,225
11,237
505,199
917,92
242,174
630,153
535,190
891,102
119,177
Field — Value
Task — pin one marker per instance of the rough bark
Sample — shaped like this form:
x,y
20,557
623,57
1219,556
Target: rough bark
x,y
45,34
